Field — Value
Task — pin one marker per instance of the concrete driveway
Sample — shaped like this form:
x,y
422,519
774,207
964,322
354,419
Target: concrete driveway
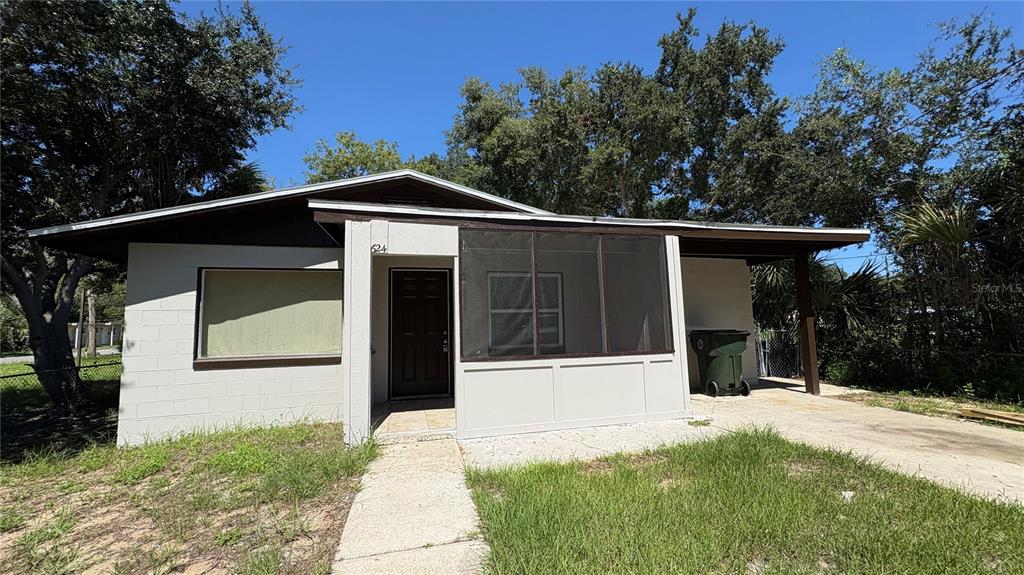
x,y
975,458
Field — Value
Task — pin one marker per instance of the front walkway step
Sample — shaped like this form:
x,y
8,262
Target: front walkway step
x,y
413,514
393,437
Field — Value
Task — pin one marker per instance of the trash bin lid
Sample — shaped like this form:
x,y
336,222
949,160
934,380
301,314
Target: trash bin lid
x,y
714,331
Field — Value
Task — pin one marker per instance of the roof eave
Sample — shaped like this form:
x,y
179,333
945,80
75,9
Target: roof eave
x,y
260,197
846,236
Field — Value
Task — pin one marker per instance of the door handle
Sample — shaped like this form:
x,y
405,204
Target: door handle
x,y
444,342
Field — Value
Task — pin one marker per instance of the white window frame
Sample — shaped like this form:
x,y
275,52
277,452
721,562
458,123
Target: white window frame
x,y
548,310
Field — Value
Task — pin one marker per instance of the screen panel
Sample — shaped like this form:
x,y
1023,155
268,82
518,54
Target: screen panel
x,y
570,295
496,293
595,294
637,288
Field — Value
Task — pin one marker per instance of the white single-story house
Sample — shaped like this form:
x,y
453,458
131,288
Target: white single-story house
x,y
318,302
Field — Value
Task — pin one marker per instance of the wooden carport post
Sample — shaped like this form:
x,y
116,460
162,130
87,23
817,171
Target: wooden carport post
x,y
805,325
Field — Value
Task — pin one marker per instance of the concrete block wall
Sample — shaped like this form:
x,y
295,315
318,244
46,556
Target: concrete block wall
x,y
717,295
162,396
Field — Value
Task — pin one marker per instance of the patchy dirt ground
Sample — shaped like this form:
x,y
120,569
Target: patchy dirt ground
x,y
248,501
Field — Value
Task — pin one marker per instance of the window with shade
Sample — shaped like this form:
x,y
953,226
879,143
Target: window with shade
x,y
545,294
260,314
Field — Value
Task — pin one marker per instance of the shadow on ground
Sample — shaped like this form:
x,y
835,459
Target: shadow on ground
x,y
31,424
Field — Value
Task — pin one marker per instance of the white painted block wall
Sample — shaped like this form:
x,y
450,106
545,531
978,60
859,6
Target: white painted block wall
x,y
162,396
717,295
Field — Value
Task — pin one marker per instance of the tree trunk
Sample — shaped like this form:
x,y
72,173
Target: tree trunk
x,y
90,299
55,364
45,289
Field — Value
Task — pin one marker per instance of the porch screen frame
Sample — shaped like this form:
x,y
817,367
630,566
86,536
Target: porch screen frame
x,y
201,363
536,310
603,278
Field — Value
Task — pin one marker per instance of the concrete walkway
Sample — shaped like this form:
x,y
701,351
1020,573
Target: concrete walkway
x,y
413,515
975,458
580,444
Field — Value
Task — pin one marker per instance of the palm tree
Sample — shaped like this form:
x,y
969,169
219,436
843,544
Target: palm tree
x,y
841,301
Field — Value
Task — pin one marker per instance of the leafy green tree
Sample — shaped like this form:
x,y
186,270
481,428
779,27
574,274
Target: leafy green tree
x,y
723,112
350,157
630,161
533,151
673,143
888,139
113,107
929,157
13,328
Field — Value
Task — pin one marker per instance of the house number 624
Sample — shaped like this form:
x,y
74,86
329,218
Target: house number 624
x,y
379,249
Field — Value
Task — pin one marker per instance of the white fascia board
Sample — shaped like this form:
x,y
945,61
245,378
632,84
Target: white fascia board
x,y
359,207
277,194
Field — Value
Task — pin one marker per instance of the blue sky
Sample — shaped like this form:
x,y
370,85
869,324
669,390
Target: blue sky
x,y
393,70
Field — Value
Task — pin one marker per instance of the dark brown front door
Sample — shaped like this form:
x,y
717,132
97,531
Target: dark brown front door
x,y
421,361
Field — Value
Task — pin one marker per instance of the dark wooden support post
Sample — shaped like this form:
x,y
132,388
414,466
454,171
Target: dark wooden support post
x,y
805,325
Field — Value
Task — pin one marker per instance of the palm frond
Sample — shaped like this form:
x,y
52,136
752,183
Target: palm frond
x,y
928,223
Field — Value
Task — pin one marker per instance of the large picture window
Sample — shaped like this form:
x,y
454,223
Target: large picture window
x,y
533,294
251,314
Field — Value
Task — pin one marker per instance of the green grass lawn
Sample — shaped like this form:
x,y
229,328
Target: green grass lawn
x,y
747,502
22,368
249,501
20,388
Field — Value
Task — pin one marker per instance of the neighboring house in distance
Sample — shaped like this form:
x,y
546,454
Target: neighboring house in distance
x,y
319,301
107,333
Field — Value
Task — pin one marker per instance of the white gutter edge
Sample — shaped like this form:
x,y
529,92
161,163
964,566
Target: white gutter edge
x,y
626,222
275,194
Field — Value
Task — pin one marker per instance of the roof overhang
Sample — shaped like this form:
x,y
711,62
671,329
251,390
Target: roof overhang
x,y
755,243
261,197
286,216
108,238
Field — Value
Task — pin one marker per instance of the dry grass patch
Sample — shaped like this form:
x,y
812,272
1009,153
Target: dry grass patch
x,y
597,466
248,501
948,407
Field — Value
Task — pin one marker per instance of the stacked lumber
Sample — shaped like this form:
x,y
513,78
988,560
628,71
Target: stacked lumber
x,y
1005,417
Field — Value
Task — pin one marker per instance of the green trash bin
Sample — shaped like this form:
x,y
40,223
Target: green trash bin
x,y
720,360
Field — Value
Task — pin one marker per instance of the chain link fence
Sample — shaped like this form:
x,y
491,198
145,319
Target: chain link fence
x,y
778,353
30,423
100,381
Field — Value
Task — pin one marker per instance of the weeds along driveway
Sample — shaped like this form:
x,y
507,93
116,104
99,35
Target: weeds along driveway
x,y
972,457
749,502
